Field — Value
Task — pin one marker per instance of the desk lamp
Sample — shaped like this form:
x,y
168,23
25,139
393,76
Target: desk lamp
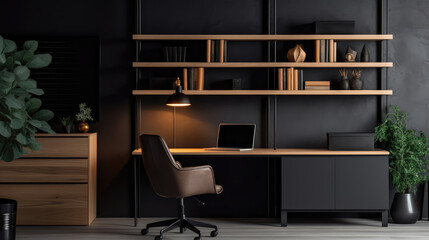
x,y
178,99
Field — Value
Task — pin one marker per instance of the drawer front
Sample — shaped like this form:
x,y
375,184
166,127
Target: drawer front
x,y
49,204
44,171
62,147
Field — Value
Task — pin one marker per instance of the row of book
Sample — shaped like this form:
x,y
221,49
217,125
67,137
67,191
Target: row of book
x,y
290,79
325,51
317,85
193,79
216,50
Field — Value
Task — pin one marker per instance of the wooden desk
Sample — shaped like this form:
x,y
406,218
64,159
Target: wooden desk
x,y
295,159
268,152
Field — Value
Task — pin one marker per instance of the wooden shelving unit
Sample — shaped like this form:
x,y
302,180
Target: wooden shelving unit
x,y
267,92
262,64
253,37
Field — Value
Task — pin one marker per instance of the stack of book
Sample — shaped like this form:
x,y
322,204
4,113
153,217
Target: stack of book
x,y
193,79
290,79
216,50
325,51
317,85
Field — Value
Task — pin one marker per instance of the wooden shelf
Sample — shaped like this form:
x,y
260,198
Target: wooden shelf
x,y
350,37
265,92
262,64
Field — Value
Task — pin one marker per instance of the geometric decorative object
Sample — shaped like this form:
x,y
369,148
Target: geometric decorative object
x,y
350,55
364,56
296,54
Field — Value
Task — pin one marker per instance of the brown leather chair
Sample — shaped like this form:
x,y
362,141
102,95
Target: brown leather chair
x,y
170,180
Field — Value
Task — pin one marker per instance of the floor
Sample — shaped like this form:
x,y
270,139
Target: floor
x,y
121,228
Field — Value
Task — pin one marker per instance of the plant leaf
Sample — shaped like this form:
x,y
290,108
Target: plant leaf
x,y
21,114
12,102
28,84
22,73
21,139
2,58
31,45
46,128
40,61
36,91
43,115
33,105
9,46
33,145
35,123
7,152
7,76
17,123
5,130
1,44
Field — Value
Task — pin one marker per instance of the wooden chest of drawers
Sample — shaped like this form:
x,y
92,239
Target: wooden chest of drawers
x,y
56,185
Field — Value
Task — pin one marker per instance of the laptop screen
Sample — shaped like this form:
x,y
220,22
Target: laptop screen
x,y
236,135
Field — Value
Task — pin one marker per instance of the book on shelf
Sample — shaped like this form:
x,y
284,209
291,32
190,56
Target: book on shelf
x,y
295,79
317,51
335,51
185,79
326,50
322,51
218,50
280,76
317,83
331,50
301,79
317,88
199,78
209,51
191,78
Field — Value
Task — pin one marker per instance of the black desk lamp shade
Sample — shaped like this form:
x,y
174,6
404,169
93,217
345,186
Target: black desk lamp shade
x,y
178,99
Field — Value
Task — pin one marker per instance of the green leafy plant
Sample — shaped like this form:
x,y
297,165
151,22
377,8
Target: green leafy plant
x,y
408,150
84,113
66,121
20,113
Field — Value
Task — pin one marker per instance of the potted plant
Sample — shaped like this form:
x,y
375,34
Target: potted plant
x,y
82,116
20,113
408,164
67,123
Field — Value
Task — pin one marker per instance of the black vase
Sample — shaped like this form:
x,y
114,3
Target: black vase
x,y
364,56
344,84
404,208
356,84
7,219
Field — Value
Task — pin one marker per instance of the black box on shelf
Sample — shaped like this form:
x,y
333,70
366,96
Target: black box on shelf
x,y
334,27
338,141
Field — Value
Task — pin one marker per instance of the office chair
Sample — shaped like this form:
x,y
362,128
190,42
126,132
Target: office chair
x,y
170,180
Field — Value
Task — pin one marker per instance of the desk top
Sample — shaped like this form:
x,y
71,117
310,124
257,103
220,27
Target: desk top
x,y
267,152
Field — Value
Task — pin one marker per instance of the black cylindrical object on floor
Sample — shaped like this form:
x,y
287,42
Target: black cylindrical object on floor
x,y
7,219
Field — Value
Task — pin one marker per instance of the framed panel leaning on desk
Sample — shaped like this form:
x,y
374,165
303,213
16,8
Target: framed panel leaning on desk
x,y
340,181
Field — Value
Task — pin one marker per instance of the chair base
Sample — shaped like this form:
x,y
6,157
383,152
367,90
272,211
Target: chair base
x,y
181,222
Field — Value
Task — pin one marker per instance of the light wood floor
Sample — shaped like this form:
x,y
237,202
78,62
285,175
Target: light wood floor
x,y
121,228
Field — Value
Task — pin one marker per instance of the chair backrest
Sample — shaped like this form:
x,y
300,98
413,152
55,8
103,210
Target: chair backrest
x,y
160,166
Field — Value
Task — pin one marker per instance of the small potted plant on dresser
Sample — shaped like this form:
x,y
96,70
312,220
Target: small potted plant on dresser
x,y
67,123
408,163
83,116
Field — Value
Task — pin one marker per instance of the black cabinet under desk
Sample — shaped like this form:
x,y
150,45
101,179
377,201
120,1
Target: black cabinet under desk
x,y
334,184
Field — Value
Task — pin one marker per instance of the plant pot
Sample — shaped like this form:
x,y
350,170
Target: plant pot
x,y
7,219
83,127
344,84
356,84
68,128
404,208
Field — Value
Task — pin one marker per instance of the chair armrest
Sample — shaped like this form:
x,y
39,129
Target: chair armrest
x,y
197,180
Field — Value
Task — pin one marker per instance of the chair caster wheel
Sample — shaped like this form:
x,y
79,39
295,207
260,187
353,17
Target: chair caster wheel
x,y
213,233
197,238
144,231
158,237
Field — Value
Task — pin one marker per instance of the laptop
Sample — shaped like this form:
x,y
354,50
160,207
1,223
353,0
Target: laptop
x,y
235,137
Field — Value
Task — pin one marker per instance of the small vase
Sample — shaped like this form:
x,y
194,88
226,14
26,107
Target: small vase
x,y
67,128
364,56
404,208
356,84
344,83
83,127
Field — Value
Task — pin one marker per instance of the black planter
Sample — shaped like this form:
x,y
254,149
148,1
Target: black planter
x,y
345,84
7,219
356,84
405,209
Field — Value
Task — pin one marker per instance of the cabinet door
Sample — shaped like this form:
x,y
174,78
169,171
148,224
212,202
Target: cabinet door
x,y
362,182
308,182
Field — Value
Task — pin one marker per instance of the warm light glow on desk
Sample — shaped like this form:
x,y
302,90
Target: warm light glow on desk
x,y
178,99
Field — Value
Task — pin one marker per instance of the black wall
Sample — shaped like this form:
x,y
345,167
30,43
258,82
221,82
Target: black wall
x,y
302,121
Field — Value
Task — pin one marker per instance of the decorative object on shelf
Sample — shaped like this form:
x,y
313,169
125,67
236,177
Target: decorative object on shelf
x,y
317,85
8,209
83,116
67,123
350,55
356,83
296,54
235,83
178,99
175,54
344,82
20,112
364,56
408,164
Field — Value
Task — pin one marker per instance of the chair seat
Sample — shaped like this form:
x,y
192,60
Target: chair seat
x,y
219,189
